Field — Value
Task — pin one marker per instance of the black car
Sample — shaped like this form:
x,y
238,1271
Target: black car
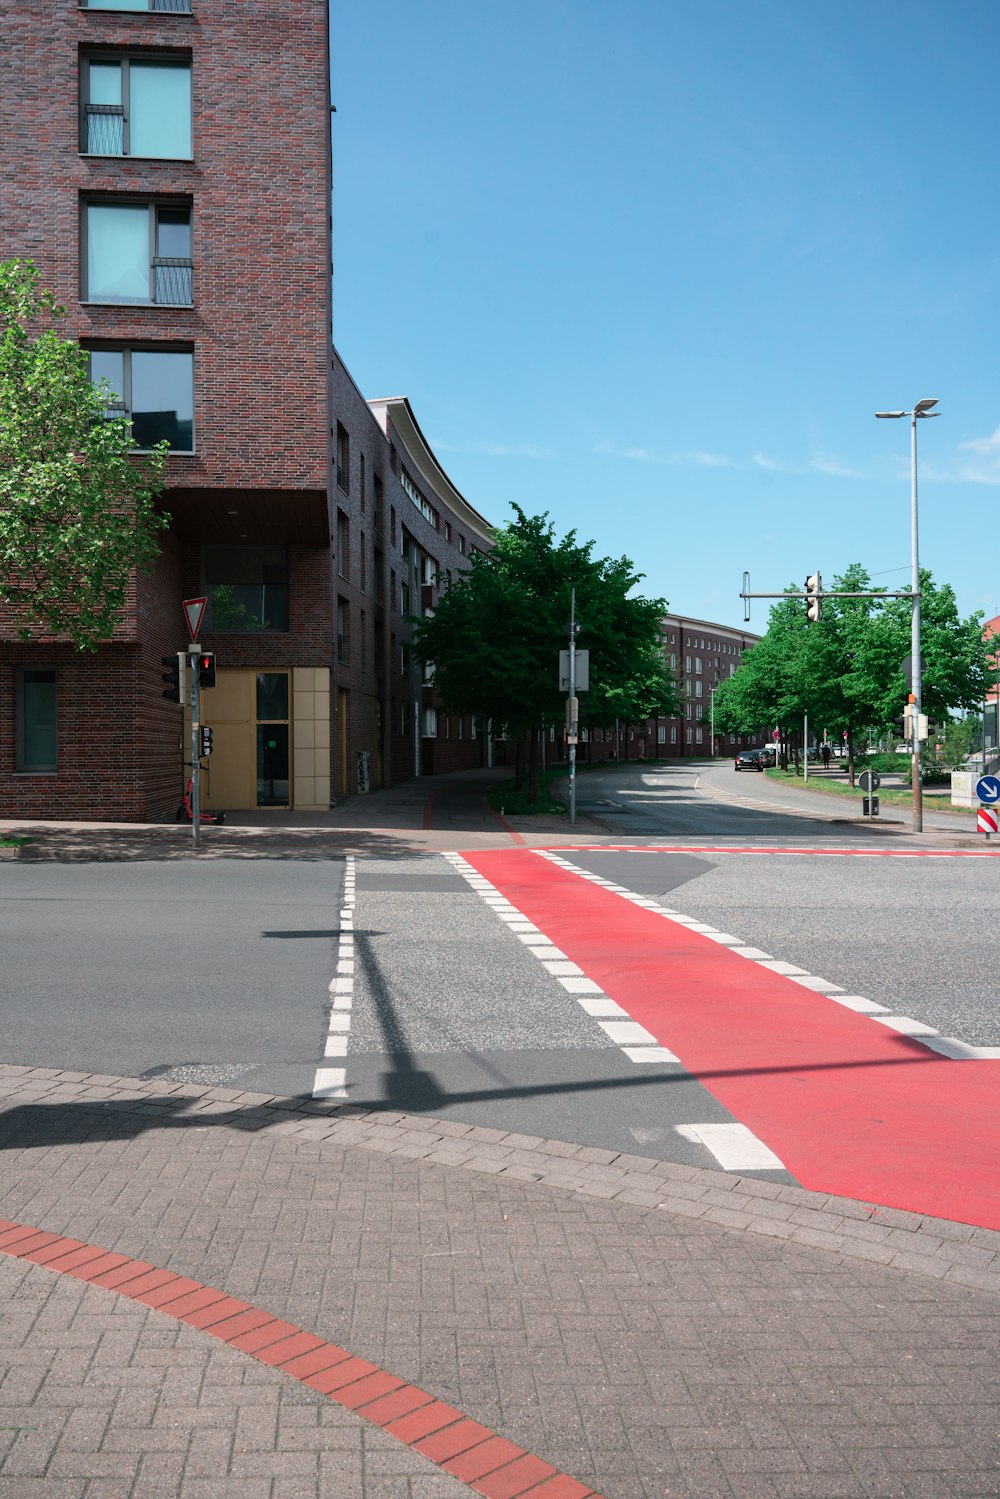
x,y
752,759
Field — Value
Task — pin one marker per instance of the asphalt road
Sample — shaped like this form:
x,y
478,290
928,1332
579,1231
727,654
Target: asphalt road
x,y
221,971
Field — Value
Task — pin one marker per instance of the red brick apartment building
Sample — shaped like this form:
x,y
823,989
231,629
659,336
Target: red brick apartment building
x,y
701,655
167,167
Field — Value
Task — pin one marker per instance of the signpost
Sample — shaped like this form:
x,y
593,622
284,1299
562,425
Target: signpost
x,y
869,781
987,820
988,790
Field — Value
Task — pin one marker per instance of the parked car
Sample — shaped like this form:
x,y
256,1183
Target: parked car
x,y
752,759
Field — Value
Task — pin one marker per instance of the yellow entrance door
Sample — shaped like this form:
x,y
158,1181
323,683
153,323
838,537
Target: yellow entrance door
x,y
229,708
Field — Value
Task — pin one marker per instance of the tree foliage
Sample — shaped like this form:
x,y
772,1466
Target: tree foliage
x,y
495,633
77,508
846,672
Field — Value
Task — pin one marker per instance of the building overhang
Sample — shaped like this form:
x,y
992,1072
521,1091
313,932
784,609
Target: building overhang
x,y
249,517
398,411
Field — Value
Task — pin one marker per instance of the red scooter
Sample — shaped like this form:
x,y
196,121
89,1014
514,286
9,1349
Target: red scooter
x,y
185,814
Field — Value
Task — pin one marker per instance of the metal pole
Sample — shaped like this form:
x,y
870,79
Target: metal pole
x,y
712,702
805,746
915,671
572,715
193,652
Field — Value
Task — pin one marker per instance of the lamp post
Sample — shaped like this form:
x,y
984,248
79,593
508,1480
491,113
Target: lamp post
x,y
920,410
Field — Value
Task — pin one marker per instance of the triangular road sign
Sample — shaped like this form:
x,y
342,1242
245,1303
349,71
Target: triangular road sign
x,y
193,611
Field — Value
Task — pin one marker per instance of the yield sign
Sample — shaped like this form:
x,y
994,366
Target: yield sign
x,y
193,611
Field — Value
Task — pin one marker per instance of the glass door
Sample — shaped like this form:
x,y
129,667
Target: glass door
x,y
272,739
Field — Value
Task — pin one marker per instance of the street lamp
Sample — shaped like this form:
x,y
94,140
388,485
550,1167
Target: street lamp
x,y
921,409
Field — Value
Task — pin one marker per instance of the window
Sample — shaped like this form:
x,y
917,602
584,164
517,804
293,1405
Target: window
x,y
673,661
430,723
687,736
36,720
419,499
177,7
404,718
697,663
137,252
343,545
461,543
697,689
154,388
698,736
379,568
687,663
661,733
246,588
379,496
362,498
673,733
392,524
404,598
363,559
363,640
342,628
136,106
343,460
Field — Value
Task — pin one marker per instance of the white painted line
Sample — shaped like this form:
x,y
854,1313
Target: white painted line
x,y
904,1025
961,1051
857,1002
725,937
604,1006
562,969
627,1032
751,952
733,1145
818,986
330,1083
657,1054
581,986
777,966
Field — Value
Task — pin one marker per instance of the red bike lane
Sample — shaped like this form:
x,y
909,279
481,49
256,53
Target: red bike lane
x,y
849,1106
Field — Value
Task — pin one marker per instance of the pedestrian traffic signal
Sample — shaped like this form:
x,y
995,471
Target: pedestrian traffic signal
x,y
206,739
206,669
814,598
175,676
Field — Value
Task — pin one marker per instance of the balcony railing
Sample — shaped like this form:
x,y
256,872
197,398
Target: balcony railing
x,y
105,130
172,7
173,281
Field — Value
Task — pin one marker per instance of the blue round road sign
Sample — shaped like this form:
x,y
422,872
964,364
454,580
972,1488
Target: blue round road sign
x,y
988,790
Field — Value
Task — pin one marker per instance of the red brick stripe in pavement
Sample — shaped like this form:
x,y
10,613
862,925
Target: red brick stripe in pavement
x,y
460,1446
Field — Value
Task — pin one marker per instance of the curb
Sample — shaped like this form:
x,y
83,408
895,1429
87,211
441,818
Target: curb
x,y
956,1253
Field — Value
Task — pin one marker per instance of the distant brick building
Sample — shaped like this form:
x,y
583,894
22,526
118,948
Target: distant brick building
x,y
167,167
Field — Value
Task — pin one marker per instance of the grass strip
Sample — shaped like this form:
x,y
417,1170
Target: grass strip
x,y
891,798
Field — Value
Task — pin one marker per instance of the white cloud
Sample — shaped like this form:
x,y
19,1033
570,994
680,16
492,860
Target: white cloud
x,y
823,464
985,447
695,457
497,449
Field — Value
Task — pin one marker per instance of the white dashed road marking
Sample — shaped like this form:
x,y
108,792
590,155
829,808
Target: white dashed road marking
x,y
331,1082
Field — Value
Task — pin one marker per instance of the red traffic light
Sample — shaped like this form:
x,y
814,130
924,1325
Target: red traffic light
x,y
206,669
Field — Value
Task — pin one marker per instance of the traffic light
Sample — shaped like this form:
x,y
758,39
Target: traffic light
x,y
175,676
206,739
814,598
206,669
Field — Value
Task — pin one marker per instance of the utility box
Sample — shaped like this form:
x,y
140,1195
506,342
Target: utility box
x,y
963,788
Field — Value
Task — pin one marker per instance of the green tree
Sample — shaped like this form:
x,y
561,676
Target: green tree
x,y
77,510
494,635
846,672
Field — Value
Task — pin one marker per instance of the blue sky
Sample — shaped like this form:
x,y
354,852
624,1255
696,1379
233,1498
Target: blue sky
x,y
652,266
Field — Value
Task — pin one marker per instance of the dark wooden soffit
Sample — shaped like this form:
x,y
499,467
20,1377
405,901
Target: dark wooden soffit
x,y
261,517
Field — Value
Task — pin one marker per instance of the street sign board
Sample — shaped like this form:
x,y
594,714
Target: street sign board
x,y
988,790
193,611
987,820
869,780
775,733
582,671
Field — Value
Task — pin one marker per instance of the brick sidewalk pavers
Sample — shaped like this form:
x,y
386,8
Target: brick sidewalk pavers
x,y
650,1329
